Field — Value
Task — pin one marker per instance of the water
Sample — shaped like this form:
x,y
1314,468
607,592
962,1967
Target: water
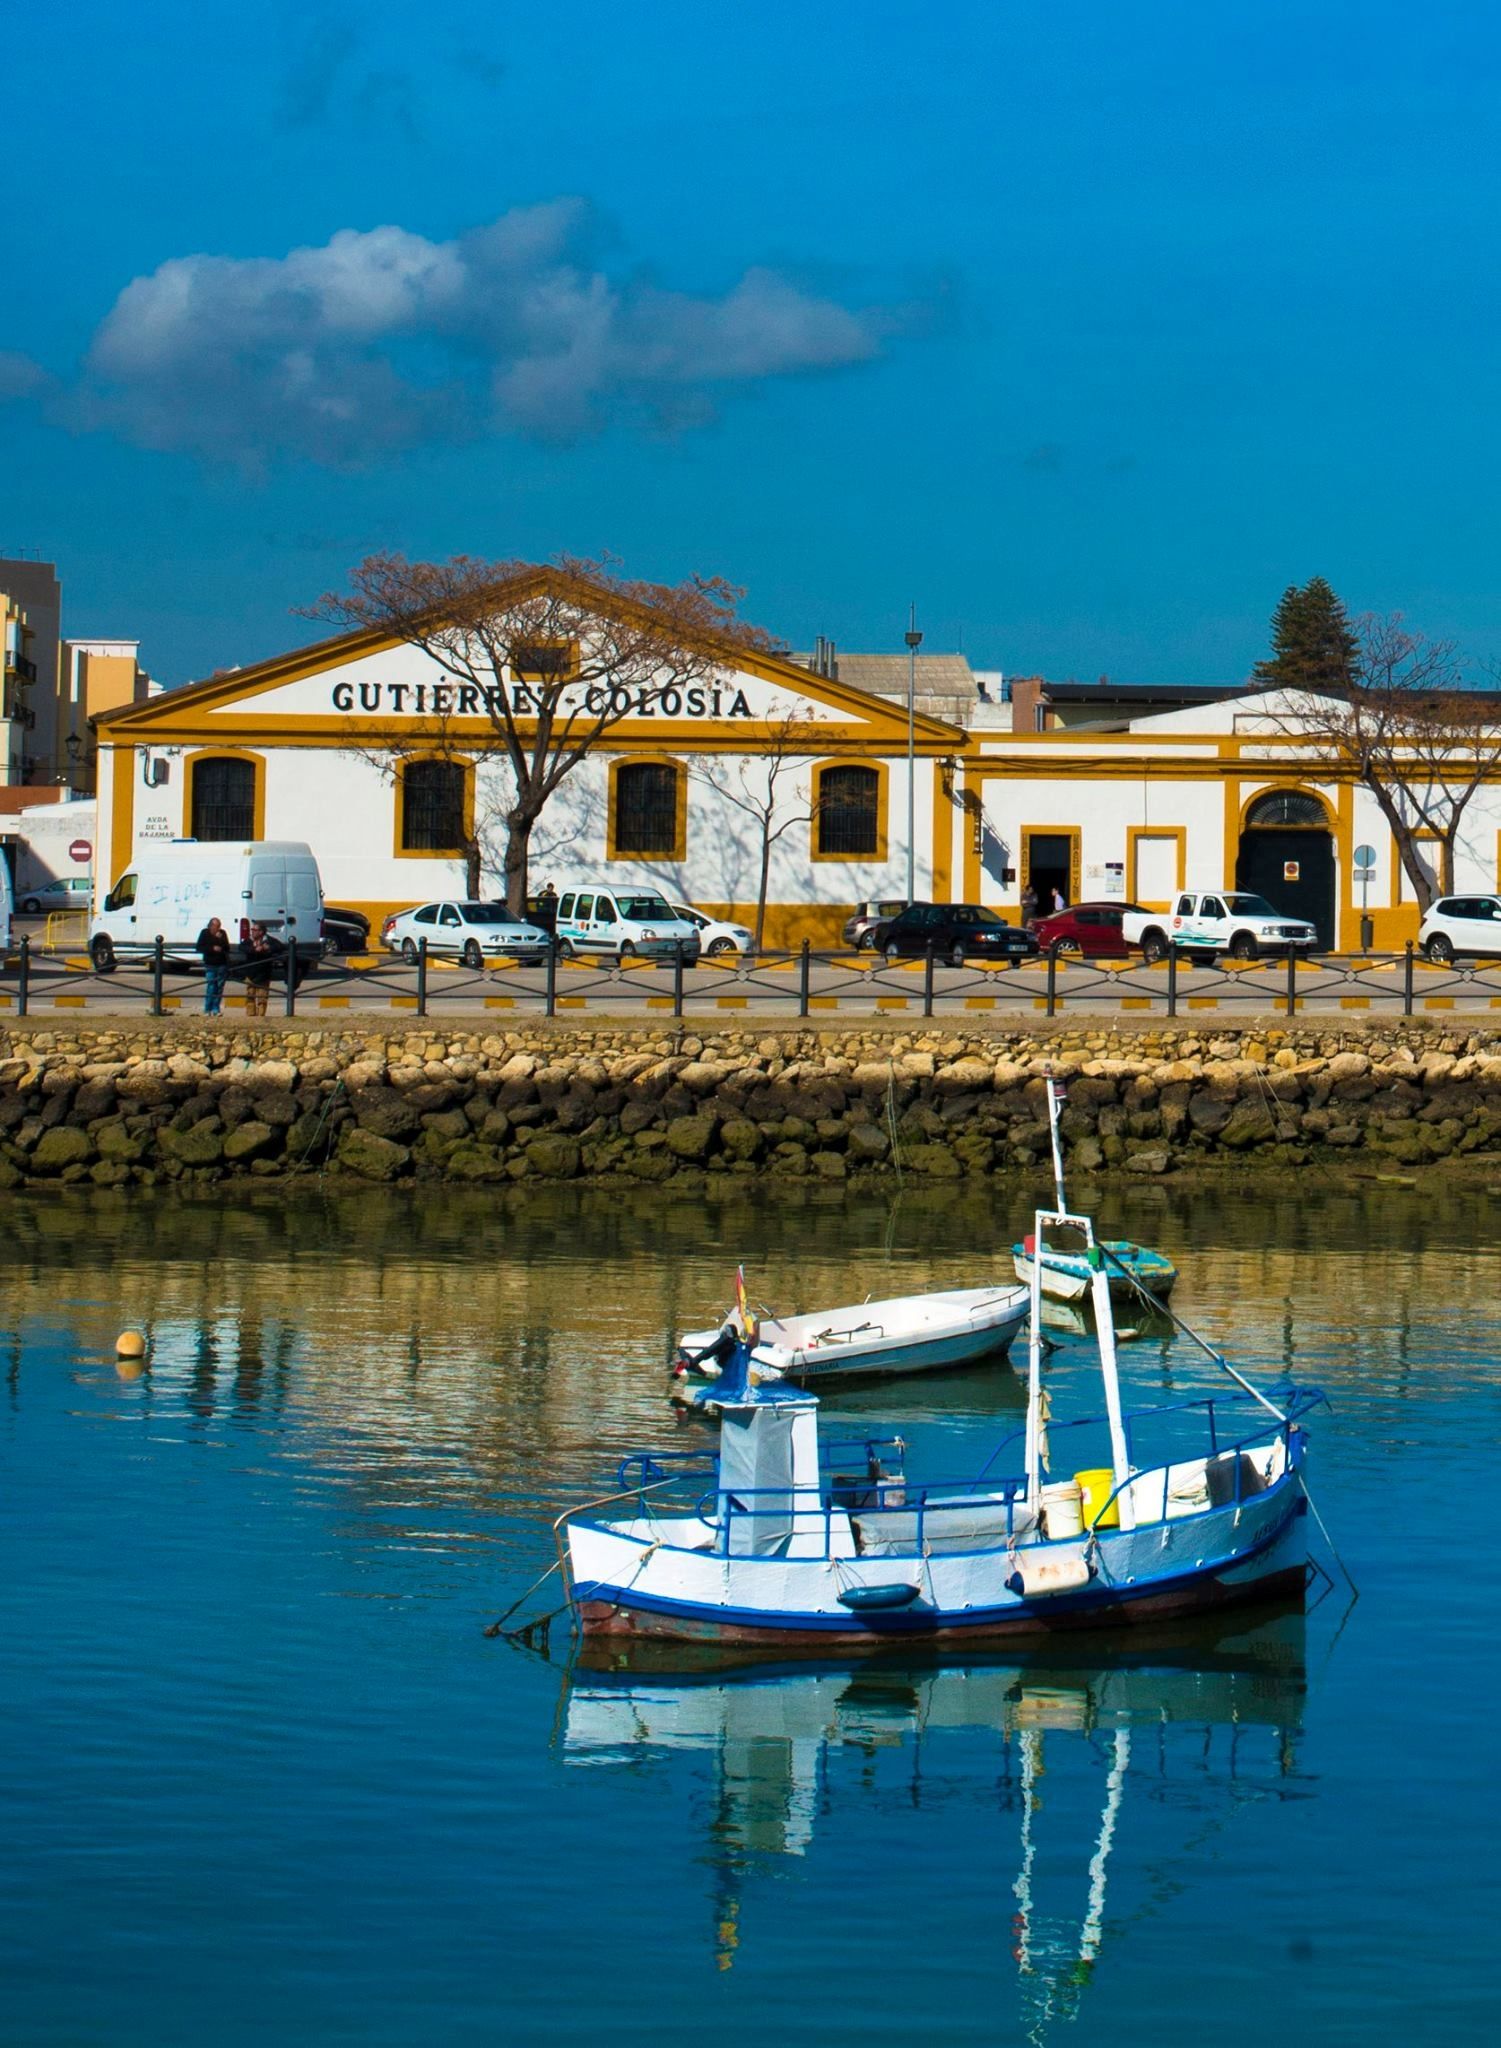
x,y
263,1777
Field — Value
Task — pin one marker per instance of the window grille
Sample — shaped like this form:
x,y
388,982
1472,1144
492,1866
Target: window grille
x,y
646,808
849,811
223,799
1287,807
432,807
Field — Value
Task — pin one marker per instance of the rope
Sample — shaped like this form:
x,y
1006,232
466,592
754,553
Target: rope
x,y
329,1100
498,1627
1324,1532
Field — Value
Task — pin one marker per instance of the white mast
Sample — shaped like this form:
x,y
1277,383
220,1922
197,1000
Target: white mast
x,y
1053,1095
1034,1365
1104,1319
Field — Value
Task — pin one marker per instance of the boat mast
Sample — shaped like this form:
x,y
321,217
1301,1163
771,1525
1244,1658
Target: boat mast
x,y
1055,1095
1034,1363
1104,1321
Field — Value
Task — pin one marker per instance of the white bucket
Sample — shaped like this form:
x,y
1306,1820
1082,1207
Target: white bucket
x,y
1063,1510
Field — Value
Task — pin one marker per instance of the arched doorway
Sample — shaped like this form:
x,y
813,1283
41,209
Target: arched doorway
x,y
1287,855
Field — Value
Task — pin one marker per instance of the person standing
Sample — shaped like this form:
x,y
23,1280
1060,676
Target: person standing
x,y
213,950
260,965
1029,904
1060,901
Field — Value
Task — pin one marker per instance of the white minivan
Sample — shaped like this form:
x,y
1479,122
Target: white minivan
x,y
623,922
5,906
172,890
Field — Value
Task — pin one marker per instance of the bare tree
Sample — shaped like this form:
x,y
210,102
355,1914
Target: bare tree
x,y
766,790
1410,731
543,662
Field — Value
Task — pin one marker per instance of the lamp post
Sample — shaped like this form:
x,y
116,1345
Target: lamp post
x,y
914,641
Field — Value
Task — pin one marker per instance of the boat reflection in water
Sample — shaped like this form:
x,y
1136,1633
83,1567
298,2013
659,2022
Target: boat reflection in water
x,y
1148,1748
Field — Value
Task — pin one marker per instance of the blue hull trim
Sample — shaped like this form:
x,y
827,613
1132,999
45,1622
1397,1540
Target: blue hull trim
x,y
1096,1604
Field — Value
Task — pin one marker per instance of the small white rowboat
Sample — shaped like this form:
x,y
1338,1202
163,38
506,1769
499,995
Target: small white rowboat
x,y
912,1333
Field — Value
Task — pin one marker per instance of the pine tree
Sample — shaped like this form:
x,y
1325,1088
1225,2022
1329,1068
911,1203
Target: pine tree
x,y
1313,647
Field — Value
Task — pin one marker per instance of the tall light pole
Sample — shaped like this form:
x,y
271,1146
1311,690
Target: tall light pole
x,y
914,641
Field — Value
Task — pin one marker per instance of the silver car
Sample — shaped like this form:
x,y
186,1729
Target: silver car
x,y
475,932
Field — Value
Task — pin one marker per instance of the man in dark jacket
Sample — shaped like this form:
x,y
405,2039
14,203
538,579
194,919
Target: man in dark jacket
x,y
213,950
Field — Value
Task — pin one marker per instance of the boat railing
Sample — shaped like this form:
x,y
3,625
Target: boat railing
x,y
651,1468
800,1509
1291,1403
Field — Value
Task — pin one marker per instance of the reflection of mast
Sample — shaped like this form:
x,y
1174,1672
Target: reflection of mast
x,y
1058,1985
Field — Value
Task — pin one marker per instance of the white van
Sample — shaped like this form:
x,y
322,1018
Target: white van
x,y
6,905
623,922
172,890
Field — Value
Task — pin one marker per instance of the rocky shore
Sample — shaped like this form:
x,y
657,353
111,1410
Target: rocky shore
x,y
120,1107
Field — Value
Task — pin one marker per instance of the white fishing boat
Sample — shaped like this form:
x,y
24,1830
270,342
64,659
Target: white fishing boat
x,y
776,1548
909,1333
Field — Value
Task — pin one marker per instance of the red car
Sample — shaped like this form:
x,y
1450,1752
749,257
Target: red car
x,y
1093,929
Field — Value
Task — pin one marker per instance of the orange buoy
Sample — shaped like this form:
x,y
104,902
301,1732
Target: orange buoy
x,y
130,1344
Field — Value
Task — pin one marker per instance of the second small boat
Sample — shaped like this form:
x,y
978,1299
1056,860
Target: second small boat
x,y
1067,1266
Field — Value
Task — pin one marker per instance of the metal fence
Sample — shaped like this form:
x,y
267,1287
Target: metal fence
x,y
805,984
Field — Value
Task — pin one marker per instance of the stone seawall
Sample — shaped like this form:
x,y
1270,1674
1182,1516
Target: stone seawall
x,y
126,1106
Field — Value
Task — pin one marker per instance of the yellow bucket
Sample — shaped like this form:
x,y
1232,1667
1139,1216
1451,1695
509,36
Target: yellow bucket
x,y
1096,1488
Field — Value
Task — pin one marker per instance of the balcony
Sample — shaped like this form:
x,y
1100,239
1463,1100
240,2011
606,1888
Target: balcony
x,y
20,665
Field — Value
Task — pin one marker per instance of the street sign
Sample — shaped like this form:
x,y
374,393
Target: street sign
x,y
81,850
1291,870
1365,856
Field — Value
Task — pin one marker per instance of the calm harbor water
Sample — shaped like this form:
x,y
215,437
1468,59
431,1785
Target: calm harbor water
x,y
263,1776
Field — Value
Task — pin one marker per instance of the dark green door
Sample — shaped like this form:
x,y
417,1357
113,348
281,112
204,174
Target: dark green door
x,y
1266,853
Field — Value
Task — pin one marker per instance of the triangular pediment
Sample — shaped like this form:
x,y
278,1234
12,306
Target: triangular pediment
x,y
369,688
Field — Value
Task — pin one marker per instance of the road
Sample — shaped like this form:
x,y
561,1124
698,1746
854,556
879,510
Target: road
x,y
846,986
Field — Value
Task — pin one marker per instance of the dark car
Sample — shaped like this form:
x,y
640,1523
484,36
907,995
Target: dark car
x,y
1093,929
954,931
542,911
344,931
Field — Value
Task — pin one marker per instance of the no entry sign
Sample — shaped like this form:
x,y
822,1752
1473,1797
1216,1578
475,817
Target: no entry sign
x,y
81,850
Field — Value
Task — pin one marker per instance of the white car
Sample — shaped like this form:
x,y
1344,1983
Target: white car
x,y
1211,921
715,936
474,932
66,892
1461,924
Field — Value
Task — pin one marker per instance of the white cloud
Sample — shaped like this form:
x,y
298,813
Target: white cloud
x,y
381,338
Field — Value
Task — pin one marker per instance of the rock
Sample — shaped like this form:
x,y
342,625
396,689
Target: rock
x,y
867,1142
250,1140
60,1148
690,1137
371,1156
965,1077
451,1124
1207,1113
1087,1155
269,1074
1345,1066
108,1173
1249,1123
116,1143
739,1138
1151,1159
203,1145
938,1161
556,1158
828,1165
476,1162
385,1113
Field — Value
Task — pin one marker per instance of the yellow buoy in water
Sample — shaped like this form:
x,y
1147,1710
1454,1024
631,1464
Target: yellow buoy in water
x,y
130,1344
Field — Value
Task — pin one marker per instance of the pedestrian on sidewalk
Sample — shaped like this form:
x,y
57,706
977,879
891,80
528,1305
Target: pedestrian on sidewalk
x,y
260,965
1029,904
213,950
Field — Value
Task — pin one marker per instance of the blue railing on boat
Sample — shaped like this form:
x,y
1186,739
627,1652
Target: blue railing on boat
x,y
893,1494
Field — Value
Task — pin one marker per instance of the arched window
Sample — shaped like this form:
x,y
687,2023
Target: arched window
x,y
432,806
647,811
223,797
1287,807
849,813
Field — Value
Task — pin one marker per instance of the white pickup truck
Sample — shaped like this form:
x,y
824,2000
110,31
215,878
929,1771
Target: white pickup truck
x,y
1204,922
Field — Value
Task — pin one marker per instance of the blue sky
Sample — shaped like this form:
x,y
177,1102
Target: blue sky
x,y
1088,326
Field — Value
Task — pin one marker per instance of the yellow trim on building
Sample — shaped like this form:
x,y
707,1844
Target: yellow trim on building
x,y
1074,834
1135,834
883,791
122,813
190,767
679,848
398,809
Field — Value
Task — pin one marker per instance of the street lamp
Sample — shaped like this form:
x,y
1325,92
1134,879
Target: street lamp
x,y
914,641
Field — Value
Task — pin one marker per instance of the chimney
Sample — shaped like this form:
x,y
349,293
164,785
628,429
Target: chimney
x,y
1028,704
